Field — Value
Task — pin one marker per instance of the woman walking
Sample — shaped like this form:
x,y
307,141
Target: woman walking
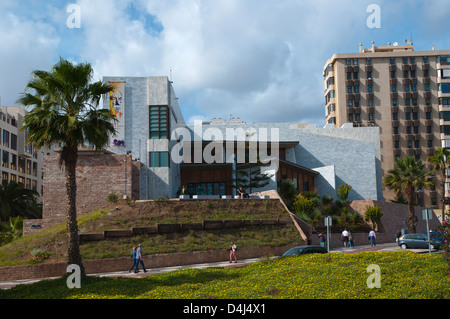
x,y
372,237
233,249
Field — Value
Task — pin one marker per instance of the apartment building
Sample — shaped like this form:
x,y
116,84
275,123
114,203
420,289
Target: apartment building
x,y
19,163
406,93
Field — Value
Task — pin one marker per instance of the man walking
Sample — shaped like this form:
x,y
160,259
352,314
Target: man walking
x,y
139,259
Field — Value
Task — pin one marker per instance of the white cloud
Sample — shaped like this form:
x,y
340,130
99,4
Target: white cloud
x,y
259,60
26,46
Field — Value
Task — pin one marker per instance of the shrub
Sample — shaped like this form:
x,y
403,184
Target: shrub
x,y
343,191
113,198
38,255
327,200
374,214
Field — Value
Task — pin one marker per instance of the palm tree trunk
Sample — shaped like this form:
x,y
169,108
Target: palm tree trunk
x,y
443,192
73,248
412,219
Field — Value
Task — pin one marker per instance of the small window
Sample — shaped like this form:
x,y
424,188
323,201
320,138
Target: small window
x,y
159,159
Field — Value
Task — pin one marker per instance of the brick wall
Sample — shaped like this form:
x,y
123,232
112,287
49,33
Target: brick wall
x,y
97,176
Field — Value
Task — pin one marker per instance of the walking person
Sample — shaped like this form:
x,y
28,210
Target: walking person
x,y
139,260
233,249
372,238
344,237
133,257
322,239
350,239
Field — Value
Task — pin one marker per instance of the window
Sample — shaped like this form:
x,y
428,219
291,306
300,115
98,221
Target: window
x,y
416,130
356,88
13,161
21,165
444,74
369,88
444,59
355,61
349,89
393,88
428,115
425,59
430,143
159,122
414,87
412,60
369,75
392,74
5,159
405,60
355,75
349,75
406,87
445,115
14,141
407,102
396,144
5,138
408,115
368,61
392,60
445,129
443,87
444,101
159,159
413,73
371,117
427,87
394,102
395,116
348,62
370,103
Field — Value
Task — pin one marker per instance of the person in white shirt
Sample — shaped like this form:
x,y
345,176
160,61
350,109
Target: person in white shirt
x,y
233,249
344,237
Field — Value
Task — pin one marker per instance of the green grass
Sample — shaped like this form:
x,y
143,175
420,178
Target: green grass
x,y
404,275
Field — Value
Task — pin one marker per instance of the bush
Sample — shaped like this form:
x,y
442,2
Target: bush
x,y
327,200
113,198
374,214
343,191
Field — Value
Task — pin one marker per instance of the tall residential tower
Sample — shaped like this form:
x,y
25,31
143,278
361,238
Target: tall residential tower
x,y
405,93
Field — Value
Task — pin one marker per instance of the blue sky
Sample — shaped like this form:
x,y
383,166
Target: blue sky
x,y
258,60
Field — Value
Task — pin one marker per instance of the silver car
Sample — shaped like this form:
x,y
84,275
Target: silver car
x,y
417,241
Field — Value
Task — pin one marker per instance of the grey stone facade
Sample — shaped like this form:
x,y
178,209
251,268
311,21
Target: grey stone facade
x,y
340,155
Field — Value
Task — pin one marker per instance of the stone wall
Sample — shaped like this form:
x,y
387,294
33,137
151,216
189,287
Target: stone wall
x,y
48,270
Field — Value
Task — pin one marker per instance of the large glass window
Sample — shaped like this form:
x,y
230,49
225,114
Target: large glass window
x,y
159,122
443,87
444,59
159,159
5,138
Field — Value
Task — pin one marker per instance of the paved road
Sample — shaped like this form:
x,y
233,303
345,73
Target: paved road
x,y
379,247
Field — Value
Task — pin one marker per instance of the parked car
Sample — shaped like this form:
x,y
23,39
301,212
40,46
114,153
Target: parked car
x,y
436,236
417,241
301,250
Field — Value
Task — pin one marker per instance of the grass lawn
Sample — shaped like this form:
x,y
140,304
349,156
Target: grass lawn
x,y
404,275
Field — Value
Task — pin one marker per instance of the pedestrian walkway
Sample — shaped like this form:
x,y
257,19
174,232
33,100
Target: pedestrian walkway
x,y
243,262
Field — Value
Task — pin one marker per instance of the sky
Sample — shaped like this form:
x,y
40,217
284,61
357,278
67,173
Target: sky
x,y
260,60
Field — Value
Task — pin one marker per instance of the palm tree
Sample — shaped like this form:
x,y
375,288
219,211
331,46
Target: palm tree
x,y
441,161
65,112
16,201
408,175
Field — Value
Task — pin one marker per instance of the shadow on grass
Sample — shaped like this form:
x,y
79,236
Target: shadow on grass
x,y
117,287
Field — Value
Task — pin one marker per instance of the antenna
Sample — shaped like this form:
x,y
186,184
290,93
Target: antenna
x,y
170,76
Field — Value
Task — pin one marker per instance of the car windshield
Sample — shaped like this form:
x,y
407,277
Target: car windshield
x,y
293,251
